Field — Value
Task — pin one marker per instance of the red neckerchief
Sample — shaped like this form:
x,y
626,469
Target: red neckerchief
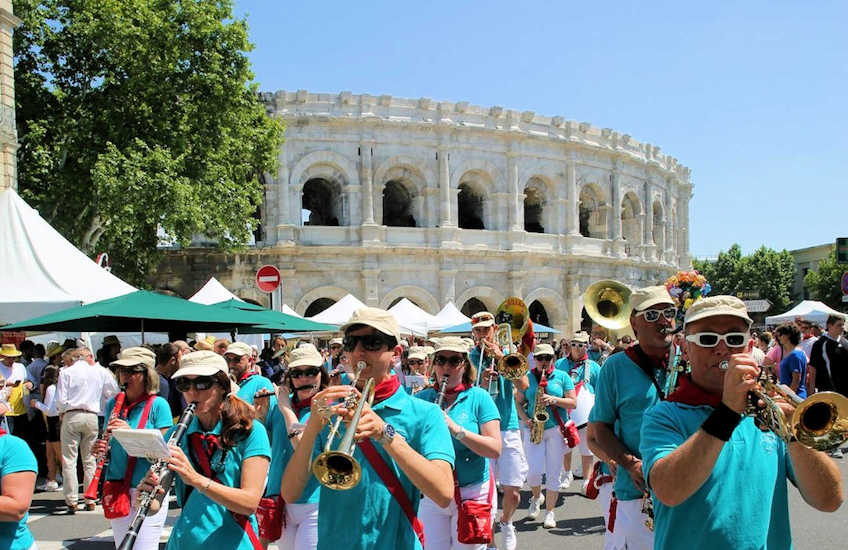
x,y
386,388
2,431
459,388
125,410
538,375
204,447
690,394
245,376
302,404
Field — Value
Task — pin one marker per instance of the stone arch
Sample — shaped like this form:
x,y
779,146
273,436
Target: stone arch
x,y
421,297
486,294
538,213
592,212
658,224
473,200
401,186
318,306
334,292
345,166
330,172
494,176
321,202
631,226
553,302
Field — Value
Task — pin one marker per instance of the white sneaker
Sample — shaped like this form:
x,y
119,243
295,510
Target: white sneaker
x,y
565,480
836,453
536,506
51,486
550,520
509,538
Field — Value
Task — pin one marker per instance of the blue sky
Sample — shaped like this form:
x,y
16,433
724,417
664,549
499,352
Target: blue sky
x,y
752,96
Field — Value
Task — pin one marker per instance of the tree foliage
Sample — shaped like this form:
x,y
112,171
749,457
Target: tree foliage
x,y
766,271
135,115
825,283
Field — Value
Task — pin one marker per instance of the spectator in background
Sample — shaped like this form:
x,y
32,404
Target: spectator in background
x,y
54,354
26,352
807,337
15,375
50,376
220,346
108,353
793,366
829,362
36,366
599,348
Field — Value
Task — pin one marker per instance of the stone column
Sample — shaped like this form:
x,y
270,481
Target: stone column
x,y
615,233
572,302
649,216
515,194
447,284
685,258
572,213
446,215
8,130
669,225
371,285
366,175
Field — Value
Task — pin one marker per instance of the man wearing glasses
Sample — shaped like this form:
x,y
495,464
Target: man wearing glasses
x,y
720,481
403,447
629,384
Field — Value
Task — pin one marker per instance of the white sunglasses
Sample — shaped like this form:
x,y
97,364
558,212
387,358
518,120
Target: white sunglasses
x,y
711,339
653,315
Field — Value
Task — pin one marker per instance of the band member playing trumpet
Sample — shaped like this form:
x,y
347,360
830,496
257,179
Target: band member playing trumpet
x,y
548,396
403,444
629,384
142,409
511,465
719,480
222,461
474,423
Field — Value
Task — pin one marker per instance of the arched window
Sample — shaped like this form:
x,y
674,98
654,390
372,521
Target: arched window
x,y
630,226
592,221
318,306
320,202
472,306
538,313
397,205
534,201
470,207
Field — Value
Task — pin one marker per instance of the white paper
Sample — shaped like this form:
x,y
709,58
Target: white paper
x,y
415,381
147,444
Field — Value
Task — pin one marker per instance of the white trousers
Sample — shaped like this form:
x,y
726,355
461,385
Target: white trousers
x,y
629,531
583,447
301,531
151,529
544,458
440,524
511,466
604,496
77,434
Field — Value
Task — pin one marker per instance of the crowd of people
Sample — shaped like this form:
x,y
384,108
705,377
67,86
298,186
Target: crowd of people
x,y
439,431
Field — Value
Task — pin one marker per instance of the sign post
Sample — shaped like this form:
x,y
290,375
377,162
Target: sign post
x,y
269,280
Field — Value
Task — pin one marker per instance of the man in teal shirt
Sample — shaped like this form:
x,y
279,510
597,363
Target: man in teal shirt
x,y
718,480
253,387
629,384
409,435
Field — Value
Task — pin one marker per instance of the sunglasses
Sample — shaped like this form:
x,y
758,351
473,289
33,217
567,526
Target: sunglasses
x,y
233,358
298,373
415,362
543,358
578,344
454,360
130,370
370,342
653,315
711,339
201,383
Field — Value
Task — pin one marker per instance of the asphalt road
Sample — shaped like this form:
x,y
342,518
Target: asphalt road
x,y
579,525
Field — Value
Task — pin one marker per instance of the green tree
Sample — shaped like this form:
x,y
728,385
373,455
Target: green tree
x,y
766,271
140,115
824,283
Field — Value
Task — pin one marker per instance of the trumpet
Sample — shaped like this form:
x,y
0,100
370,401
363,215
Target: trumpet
x,y
819,422
338,469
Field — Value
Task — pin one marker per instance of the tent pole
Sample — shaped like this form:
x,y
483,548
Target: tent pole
x,y
142,332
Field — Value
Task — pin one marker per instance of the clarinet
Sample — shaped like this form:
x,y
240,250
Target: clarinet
x,y
103,463
442,388
152,499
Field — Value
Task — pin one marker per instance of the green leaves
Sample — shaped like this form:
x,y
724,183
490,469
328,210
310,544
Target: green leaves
x,y
140,114
825,283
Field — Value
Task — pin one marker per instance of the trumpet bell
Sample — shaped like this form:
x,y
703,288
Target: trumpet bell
x,y
337,470
821,421
607,303
512,366
514,311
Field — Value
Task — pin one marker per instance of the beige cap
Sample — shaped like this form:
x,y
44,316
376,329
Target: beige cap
x,y
468,342
377,318
581,336
643,298
201,363
430,350
417,352
131,357
543,349
713,306
305,355
451,343
336,342
482,319
239,348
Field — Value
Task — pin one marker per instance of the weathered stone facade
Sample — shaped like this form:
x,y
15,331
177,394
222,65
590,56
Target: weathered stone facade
x,y
8,130
387,198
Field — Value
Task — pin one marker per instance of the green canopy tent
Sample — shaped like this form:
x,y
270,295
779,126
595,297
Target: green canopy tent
x,y
139,311
267,321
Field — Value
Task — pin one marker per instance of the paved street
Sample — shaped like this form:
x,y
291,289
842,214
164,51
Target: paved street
x,y
579,525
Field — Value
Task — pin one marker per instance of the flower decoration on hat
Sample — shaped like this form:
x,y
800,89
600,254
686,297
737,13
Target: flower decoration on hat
x,y
686,288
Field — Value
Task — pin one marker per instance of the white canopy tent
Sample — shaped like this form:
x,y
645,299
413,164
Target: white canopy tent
x,y
43,272
809,310
213,292
340,312
449,316
289,311
411,317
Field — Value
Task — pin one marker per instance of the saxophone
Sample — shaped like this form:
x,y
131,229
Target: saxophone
x,y
540,414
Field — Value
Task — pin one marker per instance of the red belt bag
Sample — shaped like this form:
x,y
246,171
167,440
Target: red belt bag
x,y
271,517
116,493
474,522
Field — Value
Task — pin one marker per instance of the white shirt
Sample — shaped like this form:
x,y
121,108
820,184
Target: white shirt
x,y
83,386
807,346
49,405
16,373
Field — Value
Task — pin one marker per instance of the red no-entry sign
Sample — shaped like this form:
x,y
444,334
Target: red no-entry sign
x,y
268,278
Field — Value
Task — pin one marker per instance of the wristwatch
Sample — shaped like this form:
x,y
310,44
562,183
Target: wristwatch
x,y
460,435
388,435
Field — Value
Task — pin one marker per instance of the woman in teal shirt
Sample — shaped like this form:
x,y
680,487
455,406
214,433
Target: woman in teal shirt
x,y
136,373
474,423
222,461
17,478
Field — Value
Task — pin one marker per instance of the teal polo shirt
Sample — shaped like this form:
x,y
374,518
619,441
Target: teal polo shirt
x,y
505,401
15,456
159,417
472,408
281,452
368,516
566,365
559,384
203,520
622,396
252,384
743,504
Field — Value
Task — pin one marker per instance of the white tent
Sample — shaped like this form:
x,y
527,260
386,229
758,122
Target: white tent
x,y
809,310
411,317
213,292
448,317
340,312
289,311
43,272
